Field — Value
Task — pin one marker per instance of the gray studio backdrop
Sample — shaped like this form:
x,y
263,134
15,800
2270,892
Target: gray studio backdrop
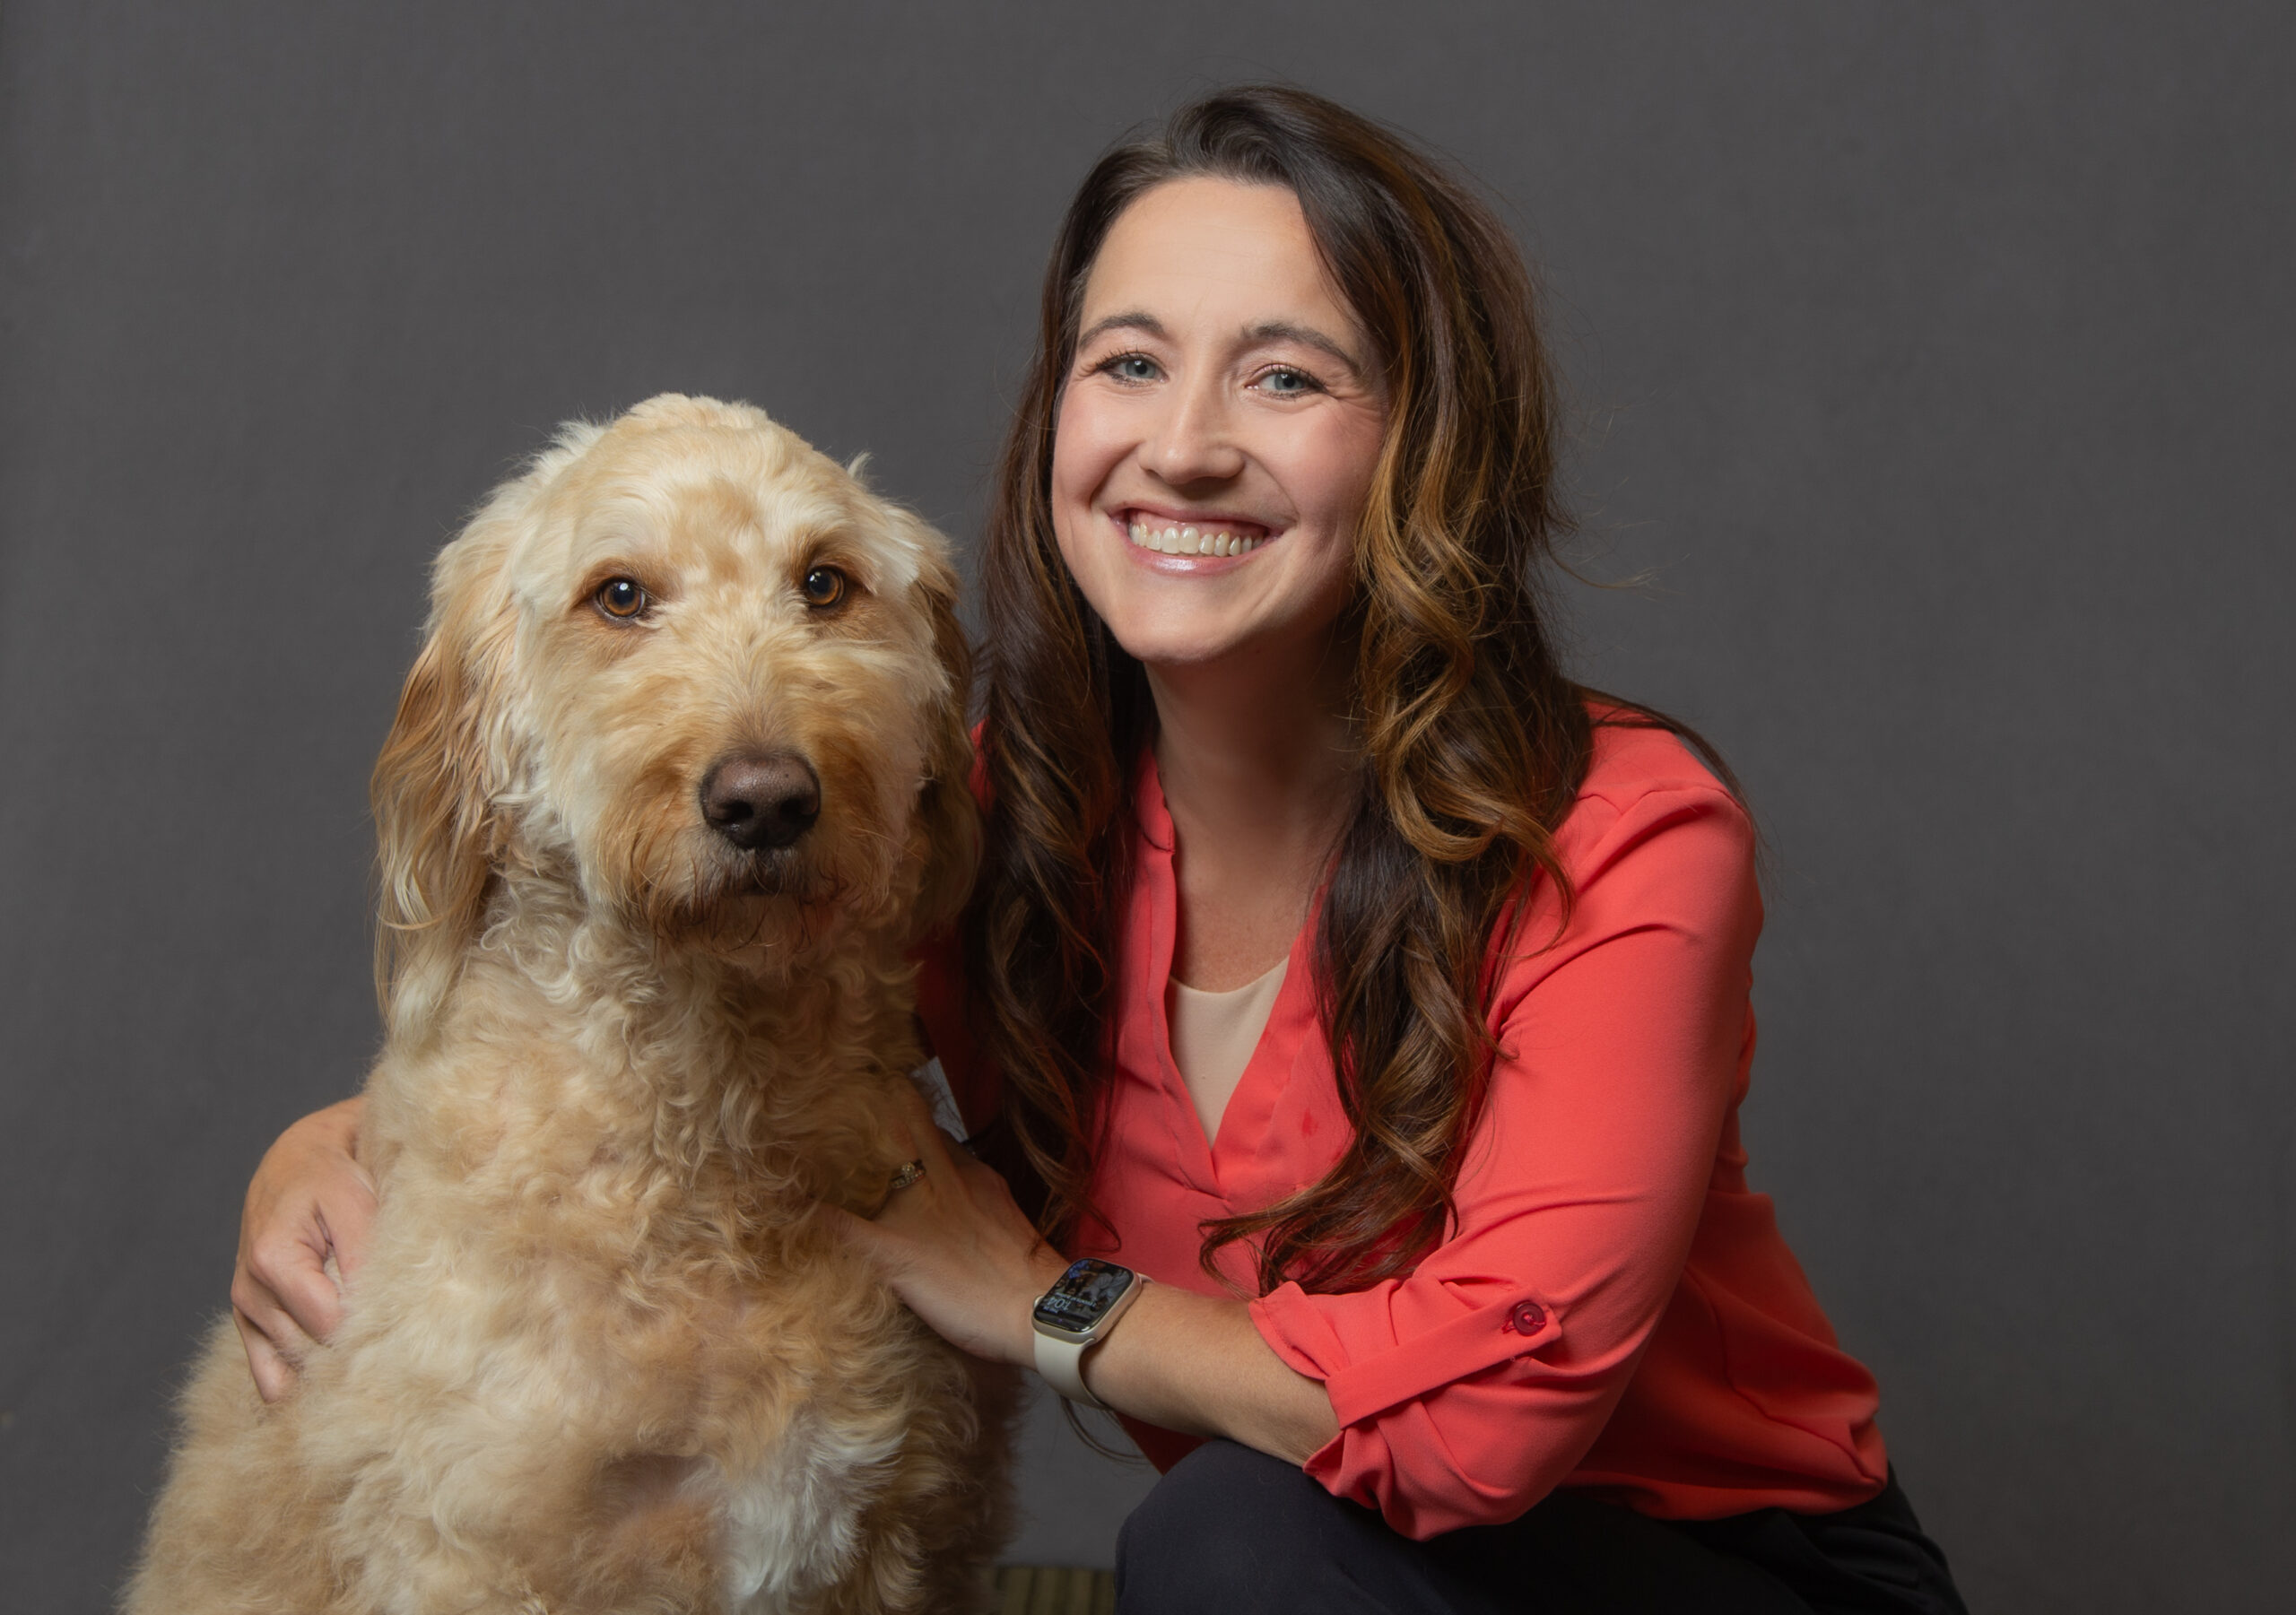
x,y
1935,361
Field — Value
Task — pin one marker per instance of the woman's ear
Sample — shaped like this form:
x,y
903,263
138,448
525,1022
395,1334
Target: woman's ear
x,y
948,817
437,832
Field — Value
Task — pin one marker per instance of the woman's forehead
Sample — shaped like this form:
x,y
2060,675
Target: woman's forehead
x,y
1202,249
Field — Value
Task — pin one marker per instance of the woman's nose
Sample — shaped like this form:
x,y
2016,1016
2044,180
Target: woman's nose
x,y
1194,441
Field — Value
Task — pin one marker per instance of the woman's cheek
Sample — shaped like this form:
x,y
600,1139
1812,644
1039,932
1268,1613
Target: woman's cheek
x,y
1082,459
1334,464
1088,562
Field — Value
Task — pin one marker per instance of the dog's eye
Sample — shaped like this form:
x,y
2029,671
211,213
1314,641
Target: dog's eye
x,y
621,598
823,585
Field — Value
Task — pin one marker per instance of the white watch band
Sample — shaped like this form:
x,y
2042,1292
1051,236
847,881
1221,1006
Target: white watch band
x,y
1062,1364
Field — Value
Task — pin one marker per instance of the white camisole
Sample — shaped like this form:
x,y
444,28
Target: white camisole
x,y
1214,1035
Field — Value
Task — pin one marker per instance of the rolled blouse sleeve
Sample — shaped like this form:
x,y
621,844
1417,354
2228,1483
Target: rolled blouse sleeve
x,y
1467,1390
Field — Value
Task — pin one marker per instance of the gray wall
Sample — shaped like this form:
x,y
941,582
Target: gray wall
x,y
1937,358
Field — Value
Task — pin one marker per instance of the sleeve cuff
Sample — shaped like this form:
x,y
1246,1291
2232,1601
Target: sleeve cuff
x,y
1304,1330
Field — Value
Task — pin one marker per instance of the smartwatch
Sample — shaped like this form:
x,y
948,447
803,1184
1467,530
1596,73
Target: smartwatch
x,y
1075,1316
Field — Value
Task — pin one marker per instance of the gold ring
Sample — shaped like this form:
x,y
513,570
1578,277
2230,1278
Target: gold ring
x,y
914,1172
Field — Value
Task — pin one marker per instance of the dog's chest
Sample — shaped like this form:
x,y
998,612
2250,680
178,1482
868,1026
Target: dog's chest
x,y
802,1397
792,1523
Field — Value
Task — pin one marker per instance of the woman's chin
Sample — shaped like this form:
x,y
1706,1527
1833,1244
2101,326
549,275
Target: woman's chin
x,y
1254,653
1181,646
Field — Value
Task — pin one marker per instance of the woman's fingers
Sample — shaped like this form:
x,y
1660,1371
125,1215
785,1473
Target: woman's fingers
x,y
284,1261
954,1195
926,1140
261,1325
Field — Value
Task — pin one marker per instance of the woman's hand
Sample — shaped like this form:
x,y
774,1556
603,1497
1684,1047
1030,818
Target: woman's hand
x,y
311,1202
955,1248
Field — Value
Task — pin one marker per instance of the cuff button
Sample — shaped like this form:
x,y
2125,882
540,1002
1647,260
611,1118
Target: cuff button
x,y
1529,1317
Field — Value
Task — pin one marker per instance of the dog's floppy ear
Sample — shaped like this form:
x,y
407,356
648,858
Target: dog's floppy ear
x,y
437,830
948,818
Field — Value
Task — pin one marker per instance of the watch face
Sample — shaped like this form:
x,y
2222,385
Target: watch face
x,y
1085,1294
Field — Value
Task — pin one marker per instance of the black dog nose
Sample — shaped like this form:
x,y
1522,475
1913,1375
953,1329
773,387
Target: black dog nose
x,y
758,800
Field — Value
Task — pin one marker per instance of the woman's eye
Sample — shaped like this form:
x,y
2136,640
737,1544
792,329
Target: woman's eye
x,y
1131,367
1283,379
621,598
823,587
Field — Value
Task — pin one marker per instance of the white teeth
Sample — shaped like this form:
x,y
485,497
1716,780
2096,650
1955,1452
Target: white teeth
x,y
1186,539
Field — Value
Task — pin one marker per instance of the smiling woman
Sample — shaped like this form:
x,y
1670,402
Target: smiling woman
x,y
1478,1175
1337,962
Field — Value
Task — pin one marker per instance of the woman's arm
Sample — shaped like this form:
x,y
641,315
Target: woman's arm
x,y
311,1204
1197,1364
961,1255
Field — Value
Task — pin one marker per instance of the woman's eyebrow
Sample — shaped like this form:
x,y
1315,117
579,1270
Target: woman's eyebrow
x,y
1132,319
1284,330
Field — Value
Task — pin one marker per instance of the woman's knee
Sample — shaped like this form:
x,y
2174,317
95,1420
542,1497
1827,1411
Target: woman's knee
x,y
1236,1530
1216,1533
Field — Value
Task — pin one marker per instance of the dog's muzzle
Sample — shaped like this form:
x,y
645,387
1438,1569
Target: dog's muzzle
x,y
761,801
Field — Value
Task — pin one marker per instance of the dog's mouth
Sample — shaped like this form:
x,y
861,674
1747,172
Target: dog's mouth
x,y
783,871
733,902
755,881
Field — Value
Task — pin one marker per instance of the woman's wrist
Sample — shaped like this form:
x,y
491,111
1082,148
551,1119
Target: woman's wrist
x,y
1197,1364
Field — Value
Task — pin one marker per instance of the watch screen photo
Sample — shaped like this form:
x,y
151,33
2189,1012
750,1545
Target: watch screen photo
x,y
1087,1289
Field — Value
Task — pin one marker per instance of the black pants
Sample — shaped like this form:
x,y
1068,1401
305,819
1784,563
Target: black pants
x,y
1235,1532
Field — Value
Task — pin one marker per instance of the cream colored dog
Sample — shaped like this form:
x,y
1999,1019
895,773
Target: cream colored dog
x,y
679,776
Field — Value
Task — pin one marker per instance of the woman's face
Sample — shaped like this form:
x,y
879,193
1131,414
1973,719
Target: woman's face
x,y
1219,430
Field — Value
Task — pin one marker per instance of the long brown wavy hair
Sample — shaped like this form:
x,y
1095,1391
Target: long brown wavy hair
x,y
1473,743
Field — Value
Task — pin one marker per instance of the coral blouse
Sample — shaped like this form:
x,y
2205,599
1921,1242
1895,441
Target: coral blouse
x,y
1615,1309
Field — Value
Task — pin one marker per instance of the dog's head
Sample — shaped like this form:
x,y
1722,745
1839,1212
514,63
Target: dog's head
x,y
699,673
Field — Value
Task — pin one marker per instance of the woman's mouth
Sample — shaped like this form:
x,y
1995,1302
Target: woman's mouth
x,y
1210,536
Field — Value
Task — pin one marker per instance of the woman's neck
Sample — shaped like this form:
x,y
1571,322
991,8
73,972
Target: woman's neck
x,y
1259,764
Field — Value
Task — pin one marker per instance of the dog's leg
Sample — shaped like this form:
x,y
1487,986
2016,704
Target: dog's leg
x,y
931,1534
240,1528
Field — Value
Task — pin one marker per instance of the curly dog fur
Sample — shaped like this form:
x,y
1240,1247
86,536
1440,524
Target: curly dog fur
x,y
605,1355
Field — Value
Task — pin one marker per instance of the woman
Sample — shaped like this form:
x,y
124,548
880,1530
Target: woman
x,y
1342,966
